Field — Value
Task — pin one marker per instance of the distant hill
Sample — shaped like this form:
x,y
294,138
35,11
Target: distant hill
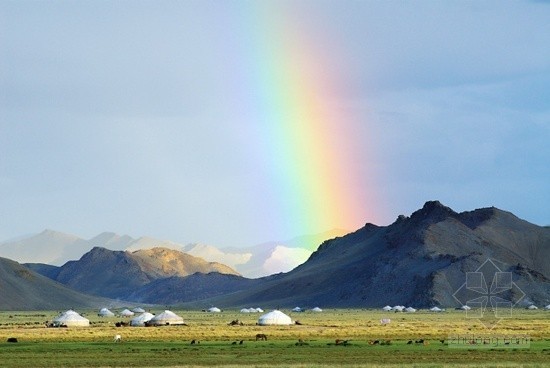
x,y
117,274
418,261
24,289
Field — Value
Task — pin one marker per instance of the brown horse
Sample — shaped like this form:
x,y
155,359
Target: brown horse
x,y
261,337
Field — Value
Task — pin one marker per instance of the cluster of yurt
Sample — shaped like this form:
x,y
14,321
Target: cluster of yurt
x,y
70,318
252,310
275,317
399,308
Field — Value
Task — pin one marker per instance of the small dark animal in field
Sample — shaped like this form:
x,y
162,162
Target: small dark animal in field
x,y
341,342
236,322
442,341
298,323
241,342
410,342
301,343
121,324
234,343
375,342
261,337
421,341
12,339
193,342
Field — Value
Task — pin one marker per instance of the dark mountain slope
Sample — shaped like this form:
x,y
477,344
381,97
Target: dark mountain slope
x,y
24,289
419,260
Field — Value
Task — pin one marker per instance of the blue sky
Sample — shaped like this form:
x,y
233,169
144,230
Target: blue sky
x,y
120,116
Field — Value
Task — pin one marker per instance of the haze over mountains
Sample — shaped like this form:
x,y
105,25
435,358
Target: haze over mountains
x,y
419,260
56,248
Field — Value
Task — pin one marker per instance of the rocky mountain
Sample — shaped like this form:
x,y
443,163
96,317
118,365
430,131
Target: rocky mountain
x,y
117,274
24,289
420,261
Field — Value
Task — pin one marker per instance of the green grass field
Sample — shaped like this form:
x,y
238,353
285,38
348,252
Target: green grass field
x,y
170,346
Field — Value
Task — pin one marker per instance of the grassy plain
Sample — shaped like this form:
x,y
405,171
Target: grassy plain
x,y
170,346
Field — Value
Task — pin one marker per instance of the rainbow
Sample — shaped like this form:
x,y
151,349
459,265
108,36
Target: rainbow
x,y
309,142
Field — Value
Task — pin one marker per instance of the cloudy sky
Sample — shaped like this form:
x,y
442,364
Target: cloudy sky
x,y
238,122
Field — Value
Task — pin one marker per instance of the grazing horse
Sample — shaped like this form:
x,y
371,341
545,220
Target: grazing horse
x,y
261,337
12,339
118,338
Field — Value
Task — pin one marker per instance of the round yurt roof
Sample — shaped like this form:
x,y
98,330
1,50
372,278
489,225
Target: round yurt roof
x,y
316,309
398,308
246,310
387,308
104,312
547,307
214,310
166,318
436,309
532,307
466,307
141,319
410,310
258,310
126,313
70,319
274,317
138,310
296,309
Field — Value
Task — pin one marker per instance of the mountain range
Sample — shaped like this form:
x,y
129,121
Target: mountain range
x,y
57,248
419,260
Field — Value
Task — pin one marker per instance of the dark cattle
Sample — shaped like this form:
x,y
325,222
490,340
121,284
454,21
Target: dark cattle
x,y
410,342
12,339
241,342
421,341
234,343
261,337
298,323
236,322
193,342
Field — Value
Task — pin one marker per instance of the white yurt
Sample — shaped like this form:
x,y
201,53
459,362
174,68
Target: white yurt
x,y
246,310
70,319
258,310
316,309
398,308
104,312
466,307
166,318
214,310
547,307
138,310
387,308
532,307
274,317
296,309
126,313
410,310
436,309
141,319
